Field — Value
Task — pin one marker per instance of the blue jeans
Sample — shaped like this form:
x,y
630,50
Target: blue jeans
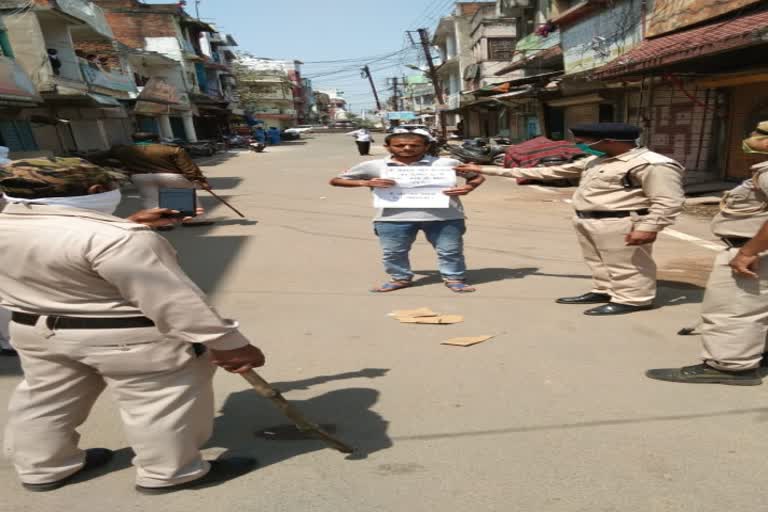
x,y
446,236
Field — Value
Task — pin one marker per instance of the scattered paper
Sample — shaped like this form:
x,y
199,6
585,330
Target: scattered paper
x,y
412,313
443,319
466,341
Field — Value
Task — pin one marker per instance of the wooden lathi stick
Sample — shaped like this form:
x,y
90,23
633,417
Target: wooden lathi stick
x,y
224,202
263,388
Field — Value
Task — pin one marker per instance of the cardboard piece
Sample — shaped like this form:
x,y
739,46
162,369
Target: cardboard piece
x,y
466,341
443,319
412,313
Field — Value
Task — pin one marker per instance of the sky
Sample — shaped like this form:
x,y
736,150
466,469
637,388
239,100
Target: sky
x,y
318,31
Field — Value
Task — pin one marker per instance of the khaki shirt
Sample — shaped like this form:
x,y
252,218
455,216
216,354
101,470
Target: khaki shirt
x,y
657,180
74,262
152,159
744,209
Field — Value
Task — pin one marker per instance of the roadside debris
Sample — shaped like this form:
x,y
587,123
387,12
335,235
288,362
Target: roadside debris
x,y
466,341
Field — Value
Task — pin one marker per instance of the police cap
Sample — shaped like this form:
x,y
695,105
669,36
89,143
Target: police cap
x,y
613,131
55,177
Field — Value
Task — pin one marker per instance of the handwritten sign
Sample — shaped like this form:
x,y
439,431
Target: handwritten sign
x,y
417,187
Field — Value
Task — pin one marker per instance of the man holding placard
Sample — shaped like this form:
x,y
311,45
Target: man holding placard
x,y
415,192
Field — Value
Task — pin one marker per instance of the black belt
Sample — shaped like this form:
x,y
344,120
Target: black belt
x,y
607,215
73,322
735,242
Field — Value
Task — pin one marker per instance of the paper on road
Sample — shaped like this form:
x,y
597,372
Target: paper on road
x,y
417,187
466,341
412,313
439,320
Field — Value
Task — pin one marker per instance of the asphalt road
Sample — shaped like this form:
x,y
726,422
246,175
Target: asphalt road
x,y
553,414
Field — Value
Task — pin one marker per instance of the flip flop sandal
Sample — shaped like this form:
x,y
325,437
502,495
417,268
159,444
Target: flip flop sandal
x,y
459,287
392,286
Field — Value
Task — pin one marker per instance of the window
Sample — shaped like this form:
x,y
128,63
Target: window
x,y
501,48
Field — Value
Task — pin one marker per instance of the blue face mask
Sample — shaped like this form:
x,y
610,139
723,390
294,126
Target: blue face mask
x,y
587,148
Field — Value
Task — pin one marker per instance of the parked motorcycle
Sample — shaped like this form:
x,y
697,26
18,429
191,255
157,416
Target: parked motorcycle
x,y
258,147
199,148
237,141
479,151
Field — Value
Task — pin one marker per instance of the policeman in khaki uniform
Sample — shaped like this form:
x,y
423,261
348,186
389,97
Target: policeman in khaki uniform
x,y
100,302
735,308
626,195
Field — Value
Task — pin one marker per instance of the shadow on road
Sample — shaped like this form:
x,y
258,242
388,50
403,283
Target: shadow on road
x,y
674,293
223,182
244,413
478,275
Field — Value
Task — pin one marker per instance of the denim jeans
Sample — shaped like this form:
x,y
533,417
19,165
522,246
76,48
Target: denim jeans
x,y
446,236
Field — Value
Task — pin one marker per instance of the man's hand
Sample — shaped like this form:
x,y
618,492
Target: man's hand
x,y
468,169
156,217
380,183
640,237
459,191
745,265
239,360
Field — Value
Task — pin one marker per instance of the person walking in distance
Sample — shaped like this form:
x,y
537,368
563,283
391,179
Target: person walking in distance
x,y
106,305
363,139
153,166
734,313
626,195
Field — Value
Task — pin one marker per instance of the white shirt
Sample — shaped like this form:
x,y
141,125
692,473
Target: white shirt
x,y
361,135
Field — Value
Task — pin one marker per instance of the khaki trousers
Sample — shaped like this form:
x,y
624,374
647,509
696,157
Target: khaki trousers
x,y
163,390
149,186
734,316
626,273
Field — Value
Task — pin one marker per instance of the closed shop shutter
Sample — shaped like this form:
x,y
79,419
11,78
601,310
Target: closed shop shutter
x,y
87,135
577,114
17,136
177,126
116,131
682,127
749,106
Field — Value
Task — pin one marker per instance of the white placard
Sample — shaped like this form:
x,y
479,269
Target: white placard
x,y
417,187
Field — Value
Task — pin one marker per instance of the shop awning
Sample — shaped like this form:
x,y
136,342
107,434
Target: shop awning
x,y
509,85
104,101
727,35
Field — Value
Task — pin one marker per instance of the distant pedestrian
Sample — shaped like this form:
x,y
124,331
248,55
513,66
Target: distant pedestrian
x,y
397,228
363,139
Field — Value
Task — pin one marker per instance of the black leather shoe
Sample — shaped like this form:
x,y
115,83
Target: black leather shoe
x,y
614,308
221,471
587,298
705,374
94,459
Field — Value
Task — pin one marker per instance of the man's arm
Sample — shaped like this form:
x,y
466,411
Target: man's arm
x,y
360,176
143,267
663,185
747,260
556,172
188,167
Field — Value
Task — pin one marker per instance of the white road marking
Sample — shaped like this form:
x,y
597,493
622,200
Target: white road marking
x,y
543,189
713,246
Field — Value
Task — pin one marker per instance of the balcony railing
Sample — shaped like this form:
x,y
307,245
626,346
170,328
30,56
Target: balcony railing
x,y
115,81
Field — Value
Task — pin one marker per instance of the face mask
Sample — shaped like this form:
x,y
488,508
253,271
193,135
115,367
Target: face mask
x,y
106,202
587,148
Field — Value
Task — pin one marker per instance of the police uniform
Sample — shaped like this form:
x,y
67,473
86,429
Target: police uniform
x,y
636,191
101,302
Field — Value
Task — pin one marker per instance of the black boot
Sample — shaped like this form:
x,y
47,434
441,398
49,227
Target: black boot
x,y
587,298
614,308
705,374
94,459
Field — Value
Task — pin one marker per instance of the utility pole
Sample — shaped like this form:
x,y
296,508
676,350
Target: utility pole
x,y
197,9
424,38
395,94
367,74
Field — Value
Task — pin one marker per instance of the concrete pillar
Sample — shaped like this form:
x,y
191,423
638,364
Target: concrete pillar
x,y
166,132
189,127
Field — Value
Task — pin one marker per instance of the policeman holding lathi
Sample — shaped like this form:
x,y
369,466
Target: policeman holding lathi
x,y
626,196
100,302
